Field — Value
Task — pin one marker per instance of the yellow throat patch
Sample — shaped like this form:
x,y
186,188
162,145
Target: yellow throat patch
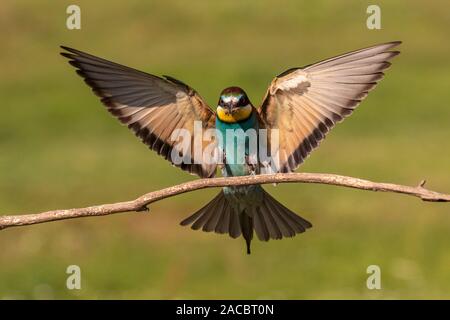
x,y
236,116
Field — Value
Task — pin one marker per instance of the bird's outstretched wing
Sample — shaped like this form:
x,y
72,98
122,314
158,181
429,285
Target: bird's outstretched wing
x,y
305,103
151,106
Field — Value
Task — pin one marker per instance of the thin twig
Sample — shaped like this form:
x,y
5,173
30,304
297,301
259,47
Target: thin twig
x,y
141,203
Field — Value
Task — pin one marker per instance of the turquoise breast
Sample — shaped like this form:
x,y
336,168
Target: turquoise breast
x,y
235,146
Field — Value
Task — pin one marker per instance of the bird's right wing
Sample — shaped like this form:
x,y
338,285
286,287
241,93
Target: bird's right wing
x,y
151,106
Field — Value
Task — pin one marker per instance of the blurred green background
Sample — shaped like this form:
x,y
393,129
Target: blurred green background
x,y
61,149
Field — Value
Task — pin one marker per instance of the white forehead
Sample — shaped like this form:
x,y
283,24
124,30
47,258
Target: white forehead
x,y
230,98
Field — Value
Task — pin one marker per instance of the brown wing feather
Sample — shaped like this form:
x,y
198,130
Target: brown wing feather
x,y
305,103
151,106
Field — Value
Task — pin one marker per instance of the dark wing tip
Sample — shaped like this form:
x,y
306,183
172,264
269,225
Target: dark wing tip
x,y
393,54
391,44
70,53
66,55
71,49
68,49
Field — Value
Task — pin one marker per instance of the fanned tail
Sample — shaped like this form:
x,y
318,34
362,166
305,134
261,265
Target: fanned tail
x,y
270,219
218,215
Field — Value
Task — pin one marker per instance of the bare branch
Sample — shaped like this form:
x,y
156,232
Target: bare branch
x,y
141,203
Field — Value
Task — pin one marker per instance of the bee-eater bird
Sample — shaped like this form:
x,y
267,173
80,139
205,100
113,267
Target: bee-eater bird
x,y
303,104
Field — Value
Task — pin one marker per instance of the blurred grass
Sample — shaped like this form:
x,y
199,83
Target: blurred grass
x,y
61,149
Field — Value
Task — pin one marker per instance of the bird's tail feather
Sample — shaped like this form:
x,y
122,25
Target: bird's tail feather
x,y
270,220
218,215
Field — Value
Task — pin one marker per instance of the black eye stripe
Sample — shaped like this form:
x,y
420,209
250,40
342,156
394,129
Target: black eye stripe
x,y
243,101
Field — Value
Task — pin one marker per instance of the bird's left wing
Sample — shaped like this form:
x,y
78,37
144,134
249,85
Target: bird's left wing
x,y
305,103
151,106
